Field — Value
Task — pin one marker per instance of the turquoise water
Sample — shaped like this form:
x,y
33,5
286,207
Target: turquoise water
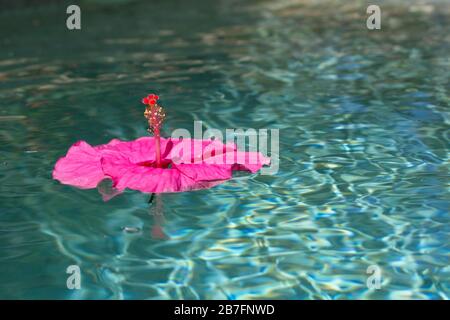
x,y
364,158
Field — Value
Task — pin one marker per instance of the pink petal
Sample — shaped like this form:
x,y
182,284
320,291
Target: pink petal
x,y
80,167
108,145
126,174
142,149
194,150
205,172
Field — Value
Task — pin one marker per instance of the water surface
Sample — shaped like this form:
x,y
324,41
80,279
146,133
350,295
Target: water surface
x,y
364,135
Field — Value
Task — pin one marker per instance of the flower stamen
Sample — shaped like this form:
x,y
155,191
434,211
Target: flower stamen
x,y
155,115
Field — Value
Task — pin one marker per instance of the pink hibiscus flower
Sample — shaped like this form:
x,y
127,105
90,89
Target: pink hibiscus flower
x,y
132,164
155,164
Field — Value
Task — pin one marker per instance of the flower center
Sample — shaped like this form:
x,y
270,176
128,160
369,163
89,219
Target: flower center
x,y
165,164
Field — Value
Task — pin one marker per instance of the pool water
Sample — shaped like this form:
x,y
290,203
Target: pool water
x,y
363,119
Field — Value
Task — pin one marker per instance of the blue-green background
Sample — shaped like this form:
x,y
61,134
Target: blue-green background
x,y
364,135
